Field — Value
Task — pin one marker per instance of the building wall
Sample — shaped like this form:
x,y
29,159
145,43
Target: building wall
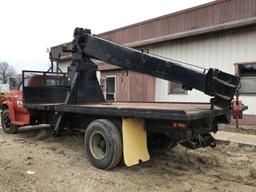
x,y
200,17
220,51
63,65
130,86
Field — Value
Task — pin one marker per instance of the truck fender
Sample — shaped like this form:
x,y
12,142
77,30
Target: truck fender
x,y
134,141
9,104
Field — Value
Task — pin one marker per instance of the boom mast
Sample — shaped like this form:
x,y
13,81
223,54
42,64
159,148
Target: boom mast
x,y
213,82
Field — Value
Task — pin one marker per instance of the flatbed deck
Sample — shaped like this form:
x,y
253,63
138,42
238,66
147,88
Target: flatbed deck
x,y
150,110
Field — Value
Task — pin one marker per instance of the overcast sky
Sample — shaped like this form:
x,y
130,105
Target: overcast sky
x,y
28,27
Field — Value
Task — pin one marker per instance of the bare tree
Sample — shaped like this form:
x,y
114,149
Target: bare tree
x,y
6,71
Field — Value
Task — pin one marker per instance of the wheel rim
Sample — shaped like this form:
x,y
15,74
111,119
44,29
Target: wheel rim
x,y
98,145
6,122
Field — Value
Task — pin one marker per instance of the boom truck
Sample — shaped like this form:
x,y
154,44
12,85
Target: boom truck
x,y
121,130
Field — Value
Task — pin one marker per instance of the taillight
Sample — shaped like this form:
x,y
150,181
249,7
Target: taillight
x,y
179,125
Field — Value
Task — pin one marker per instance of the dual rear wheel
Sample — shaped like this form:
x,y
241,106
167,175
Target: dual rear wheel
x,y
103,144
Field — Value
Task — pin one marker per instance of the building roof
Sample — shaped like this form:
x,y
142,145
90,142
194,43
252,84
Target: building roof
x,y
211,17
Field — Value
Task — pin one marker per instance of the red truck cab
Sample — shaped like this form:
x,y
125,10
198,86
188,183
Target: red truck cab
x,y
14,114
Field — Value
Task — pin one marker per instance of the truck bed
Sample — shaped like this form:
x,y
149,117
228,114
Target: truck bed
x,y
150,110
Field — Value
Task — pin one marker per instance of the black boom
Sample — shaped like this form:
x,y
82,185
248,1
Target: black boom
x,y
213,82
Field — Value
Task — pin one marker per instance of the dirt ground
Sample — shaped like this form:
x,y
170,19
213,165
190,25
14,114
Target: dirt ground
x,y
243,129
32,160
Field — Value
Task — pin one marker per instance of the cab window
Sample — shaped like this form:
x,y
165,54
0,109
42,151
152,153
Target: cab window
x,y
25,81
54,82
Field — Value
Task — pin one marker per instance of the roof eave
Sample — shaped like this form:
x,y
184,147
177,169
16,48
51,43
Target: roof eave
x,y
196,32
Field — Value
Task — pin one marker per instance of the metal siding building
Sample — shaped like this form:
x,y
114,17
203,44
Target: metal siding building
x,y
218,34
64,65
220,51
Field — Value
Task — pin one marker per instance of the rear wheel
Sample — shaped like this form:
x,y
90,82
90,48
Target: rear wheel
x,y
7,126
103,144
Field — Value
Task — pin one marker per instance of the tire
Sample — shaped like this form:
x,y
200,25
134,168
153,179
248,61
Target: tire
x,y
7,126
158,141
103,144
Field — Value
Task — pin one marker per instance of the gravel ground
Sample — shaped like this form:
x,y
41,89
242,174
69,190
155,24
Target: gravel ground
x,y
32,160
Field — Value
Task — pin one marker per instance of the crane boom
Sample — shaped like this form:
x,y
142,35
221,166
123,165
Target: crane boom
x,y
213,82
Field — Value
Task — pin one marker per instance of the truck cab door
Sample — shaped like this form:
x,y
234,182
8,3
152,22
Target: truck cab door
x,y
17,100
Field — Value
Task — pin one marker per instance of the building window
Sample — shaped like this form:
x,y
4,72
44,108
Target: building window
x,y
247,73
176,88
110,88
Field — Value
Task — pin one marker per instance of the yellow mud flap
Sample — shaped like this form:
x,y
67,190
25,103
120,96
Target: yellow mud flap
x,y
134,141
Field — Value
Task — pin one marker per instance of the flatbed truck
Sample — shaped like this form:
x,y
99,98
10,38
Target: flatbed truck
x,y
120,130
